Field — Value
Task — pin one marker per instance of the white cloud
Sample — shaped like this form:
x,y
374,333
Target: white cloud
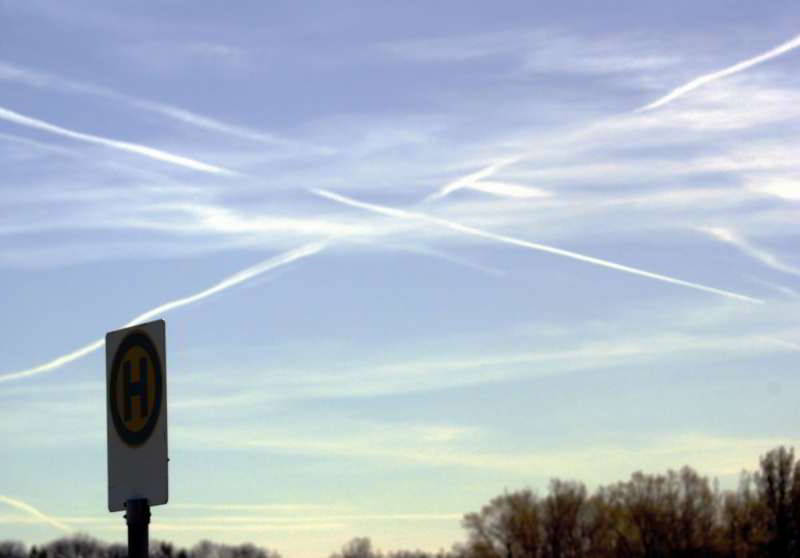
x,y
784,187
508,189
224,220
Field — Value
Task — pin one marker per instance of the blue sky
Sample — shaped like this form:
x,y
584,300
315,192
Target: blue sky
x,y
409,255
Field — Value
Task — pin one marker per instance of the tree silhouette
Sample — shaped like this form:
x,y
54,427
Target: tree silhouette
x,y
678,514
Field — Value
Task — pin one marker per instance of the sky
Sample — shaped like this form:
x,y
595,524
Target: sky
x,y
410,255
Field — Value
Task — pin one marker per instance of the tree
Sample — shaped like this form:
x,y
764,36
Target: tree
x,y
78,546
599,526
563,509
359,547
743,522
208,549
697,532
775,486
510,526
12,549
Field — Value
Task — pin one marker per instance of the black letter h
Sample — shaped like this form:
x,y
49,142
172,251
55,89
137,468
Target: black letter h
x,y
135,389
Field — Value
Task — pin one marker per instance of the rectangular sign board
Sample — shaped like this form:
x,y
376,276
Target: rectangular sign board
x,y
136,414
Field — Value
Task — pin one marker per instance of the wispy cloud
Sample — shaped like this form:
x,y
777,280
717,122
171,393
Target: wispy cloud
x,y
150,152
783,48
374,375
253,507
403,214
784,343
33,512
603,462
292,516
231,281
542,50
444,256
254,522
254,526
38,145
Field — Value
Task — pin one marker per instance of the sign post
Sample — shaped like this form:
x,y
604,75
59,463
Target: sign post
x,y
136,421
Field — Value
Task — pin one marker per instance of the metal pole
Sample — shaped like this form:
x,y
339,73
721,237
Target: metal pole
x,y
138,517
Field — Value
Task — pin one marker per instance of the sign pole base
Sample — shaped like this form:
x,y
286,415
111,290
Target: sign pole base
x,y
137,515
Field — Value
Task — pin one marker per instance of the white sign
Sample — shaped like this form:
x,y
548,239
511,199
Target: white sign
x,y
136,414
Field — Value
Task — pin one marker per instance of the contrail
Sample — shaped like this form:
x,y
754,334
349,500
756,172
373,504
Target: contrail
x,y
27,508
730,237
235,279
470,179
783,289
150,152
228,282
33,78
491,169
403,214
713,76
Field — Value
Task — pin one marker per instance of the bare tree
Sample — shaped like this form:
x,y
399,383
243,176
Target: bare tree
x,y
12,549
208,549
360,547
79,546
508,527
562,512
775,490
742,521
697,532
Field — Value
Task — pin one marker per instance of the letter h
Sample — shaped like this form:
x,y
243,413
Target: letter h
x,y
135,389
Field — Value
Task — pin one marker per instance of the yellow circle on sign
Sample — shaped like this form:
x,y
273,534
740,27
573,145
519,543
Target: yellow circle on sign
x,y
136,388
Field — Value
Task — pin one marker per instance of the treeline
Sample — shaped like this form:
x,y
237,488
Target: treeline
x,y
82,546
679,514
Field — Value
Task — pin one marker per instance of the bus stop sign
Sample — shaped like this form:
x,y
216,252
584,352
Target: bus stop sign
x,y
136,415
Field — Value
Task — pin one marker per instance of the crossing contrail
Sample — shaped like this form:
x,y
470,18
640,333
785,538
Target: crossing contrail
x,y
470,179
489,170
239,277
713,76
150,152
27,508
404,214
